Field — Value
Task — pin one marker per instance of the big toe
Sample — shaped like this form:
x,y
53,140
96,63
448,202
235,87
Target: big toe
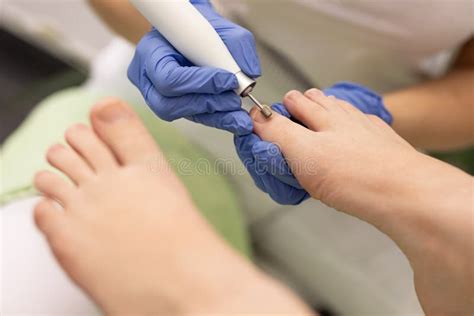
x,y
277,129
121,129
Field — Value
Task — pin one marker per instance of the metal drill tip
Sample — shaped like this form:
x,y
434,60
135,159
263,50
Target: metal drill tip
x,y
265,109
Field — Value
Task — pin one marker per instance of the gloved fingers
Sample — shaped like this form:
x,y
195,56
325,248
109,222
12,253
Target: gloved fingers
x,y
280,109
171,79
269,158
151,42
239,41
282,193
349,93
364,99
241,44
306,109
278,191
236,122
243,145
201,2
134,72
385,115
170,109
343,96
170,72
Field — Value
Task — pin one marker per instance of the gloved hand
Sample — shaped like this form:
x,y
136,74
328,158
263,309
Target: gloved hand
x,y
268,167
174,88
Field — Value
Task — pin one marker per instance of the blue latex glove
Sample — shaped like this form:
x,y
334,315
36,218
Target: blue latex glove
x,y
266,164
268,168
366,100
174,88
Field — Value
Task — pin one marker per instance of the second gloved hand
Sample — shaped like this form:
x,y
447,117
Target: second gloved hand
x,y
267,166
174,88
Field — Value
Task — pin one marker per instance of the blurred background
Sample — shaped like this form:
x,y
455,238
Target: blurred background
x,y
50,45
45,46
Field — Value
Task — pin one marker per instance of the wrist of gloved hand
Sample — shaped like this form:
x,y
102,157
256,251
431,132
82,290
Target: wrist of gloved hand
x,y
366,100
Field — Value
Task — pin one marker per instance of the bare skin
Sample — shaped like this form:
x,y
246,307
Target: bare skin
x,y
105,228
359,165
127,232
434,115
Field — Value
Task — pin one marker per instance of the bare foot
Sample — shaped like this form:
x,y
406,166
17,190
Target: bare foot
x,y
341,154
128,234
359,165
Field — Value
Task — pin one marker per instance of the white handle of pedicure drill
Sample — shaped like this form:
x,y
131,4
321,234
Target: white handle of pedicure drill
x,y
193,36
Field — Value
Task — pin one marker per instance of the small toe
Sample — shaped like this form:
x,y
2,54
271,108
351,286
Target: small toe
x,y
88,145
123,132
307,111
69,162
48,216
317,96
53,186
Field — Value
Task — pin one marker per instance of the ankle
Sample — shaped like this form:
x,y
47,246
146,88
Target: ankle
x,y
419,207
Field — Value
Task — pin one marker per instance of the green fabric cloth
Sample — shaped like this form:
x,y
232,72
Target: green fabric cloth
x,y
22,155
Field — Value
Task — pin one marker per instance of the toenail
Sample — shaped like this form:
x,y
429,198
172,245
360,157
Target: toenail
x,y
258,116
253,112
80,126
76,127
73,130
112,112
314,92
293,95
38,177
56,147
53,150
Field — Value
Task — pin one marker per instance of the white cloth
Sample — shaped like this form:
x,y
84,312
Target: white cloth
x,y
32,283
380,43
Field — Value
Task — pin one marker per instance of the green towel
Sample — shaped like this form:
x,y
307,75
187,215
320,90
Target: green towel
x,y
23,152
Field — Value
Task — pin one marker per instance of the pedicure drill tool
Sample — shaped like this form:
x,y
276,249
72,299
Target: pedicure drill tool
x,y
194,37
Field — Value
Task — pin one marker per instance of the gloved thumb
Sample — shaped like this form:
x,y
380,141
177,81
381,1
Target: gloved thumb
x,y
269,157
278,130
